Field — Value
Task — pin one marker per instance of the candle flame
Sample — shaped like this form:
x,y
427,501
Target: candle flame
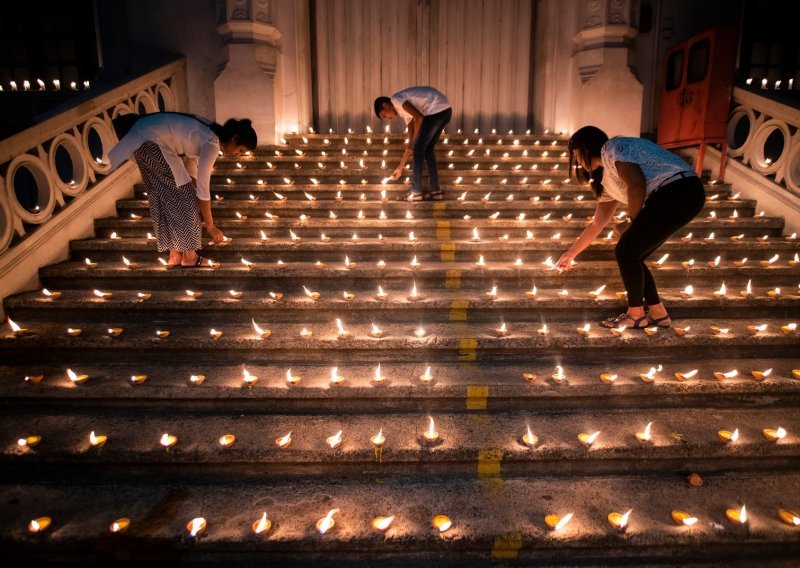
x,y
563,522
247,377
196,526
262,524
335,440
382,523
284,441
378,438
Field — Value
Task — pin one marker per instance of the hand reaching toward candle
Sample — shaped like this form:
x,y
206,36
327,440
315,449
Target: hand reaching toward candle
x,y
565,262
398,171
216,234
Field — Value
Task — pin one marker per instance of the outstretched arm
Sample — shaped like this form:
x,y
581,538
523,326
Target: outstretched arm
x,y
602,215
413,131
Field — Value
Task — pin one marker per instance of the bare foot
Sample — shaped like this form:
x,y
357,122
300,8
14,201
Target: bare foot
x,y
189,258
175,257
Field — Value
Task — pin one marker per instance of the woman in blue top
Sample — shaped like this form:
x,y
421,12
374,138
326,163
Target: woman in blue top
x,y
662,194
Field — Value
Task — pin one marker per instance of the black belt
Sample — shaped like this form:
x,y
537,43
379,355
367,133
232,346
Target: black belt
x,y
679,175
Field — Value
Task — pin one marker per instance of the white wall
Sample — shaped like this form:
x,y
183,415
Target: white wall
x,y
477,52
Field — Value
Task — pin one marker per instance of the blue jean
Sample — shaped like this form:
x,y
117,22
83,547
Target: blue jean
x,y
423,150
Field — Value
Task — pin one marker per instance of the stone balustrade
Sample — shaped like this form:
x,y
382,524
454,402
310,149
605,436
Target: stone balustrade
x,y
763,134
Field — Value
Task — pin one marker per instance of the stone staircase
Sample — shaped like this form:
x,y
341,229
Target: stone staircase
x,y
441,353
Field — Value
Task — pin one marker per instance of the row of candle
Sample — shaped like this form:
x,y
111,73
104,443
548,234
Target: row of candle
x,y
379,376
503,331
428,437
42,86
441,523
415,263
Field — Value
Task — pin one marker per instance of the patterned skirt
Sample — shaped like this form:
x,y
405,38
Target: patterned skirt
x,y
174,210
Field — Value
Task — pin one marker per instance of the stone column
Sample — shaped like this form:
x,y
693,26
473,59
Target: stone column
x,y
293,81
244,87
610,93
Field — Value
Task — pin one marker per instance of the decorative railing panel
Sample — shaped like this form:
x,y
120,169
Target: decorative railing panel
x,y
765,135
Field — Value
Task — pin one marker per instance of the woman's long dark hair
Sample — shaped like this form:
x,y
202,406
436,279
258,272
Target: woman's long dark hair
x,y
588,141
242,130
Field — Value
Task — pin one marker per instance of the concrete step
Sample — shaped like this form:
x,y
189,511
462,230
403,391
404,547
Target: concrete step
x,y
430,248
430,275
679,439
364,305
446,342
493,520
471,386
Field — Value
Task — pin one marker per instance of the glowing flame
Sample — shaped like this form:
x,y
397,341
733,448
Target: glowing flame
x,y
382,523
334,441
247,377
196,526
262,525
378,439
645,435
737,515
442,523
431,434
588,439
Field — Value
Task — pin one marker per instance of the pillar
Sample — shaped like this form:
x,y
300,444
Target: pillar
x,y
610,93
244,87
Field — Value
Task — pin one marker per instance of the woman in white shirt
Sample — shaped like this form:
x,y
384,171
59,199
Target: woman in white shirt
x,y
179,193
662,194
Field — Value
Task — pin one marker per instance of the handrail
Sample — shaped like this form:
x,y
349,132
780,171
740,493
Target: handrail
x,y
769,125
83,135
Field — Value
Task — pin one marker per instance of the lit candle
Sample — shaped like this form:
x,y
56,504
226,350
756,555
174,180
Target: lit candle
x,y
559,376
721,292
248,378
215,334
305,333
313,295
196,526
39,525
138,379
502,331
789,328
774,434
608,378
102,295
431,435
29,441
789,517
343,333
197,379
442,523
284,441
687,292
687,264
771,262
336,378
168,440
292,379
378,439
645,437
16,329
619,520
588,439
682,330
262,525
756,329
542,331
728,436
529,438
76,378
52,295
556,523
128,263
335,440
728,375
120,525
683,518
737,516
227,440
532,292
382,523
596,293
413,295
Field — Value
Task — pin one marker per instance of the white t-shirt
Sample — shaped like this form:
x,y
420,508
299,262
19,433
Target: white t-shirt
x,y
658,165
426,100
176,135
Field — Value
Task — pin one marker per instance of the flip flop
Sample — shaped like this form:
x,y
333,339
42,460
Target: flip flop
x,y
199,261
639,323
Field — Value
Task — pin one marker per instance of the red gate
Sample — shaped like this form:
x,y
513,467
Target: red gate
x,y
696,94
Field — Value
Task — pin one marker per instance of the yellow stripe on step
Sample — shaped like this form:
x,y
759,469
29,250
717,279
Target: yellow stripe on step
x,y
507,545
448,252
477,397
489,462
452,280
468,351
443,230
458,310
439,209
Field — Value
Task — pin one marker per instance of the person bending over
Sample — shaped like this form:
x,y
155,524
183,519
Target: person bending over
x,y
426,111
662,194
179,196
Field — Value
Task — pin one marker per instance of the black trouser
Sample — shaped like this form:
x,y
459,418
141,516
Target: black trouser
x,y
666,210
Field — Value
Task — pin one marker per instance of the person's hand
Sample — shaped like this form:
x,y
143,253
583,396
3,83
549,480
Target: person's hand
x,y
216,235
565,262
398,171
620,228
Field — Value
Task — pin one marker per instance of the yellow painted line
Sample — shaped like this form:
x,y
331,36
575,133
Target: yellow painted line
x,y
448,252
458,310
443,230
489,462
439,209
452,280
477,397
468,351
507,545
